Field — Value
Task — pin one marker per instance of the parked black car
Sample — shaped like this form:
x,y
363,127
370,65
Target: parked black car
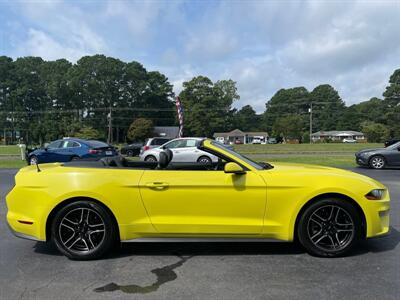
x,y
132,149
380,158
391,142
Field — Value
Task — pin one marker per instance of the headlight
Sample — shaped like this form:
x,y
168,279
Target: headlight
x,y
375,194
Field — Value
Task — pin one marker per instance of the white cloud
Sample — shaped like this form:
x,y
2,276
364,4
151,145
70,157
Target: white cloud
x,y
41,44
263,45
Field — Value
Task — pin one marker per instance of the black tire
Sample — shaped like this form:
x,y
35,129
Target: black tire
x,y
129,153
150,158
33,160
377,162
204,160
75,158
334,233
83,230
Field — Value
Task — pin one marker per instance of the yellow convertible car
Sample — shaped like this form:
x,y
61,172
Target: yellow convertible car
x,y
85,207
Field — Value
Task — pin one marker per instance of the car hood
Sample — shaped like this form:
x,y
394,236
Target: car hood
x,y
370,150
305,170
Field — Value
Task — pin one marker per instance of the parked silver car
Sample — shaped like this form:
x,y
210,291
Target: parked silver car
x,y
153,143
183,149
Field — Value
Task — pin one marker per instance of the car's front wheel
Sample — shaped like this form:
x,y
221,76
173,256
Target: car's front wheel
x,y
377,162
129,153
83,230
329,228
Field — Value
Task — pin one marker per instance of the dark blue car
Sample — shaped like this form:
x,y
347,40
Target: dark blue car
x,y
70,149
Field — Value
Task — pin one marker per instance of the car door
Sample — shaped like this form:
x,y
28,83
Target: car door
x,y
392,156
66,151
196,202
178,149
51,153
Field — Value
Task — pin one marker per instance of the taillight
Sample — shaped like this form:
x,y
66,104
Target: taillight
x,y
93,151
145,148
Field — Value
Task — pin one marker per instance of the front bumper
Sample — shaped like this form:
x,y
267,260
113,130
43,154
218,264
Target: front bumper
x,y
362,161
377,217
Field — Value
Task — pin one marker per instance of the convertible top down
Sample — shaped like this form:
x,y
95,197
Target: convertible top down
x,y
85,207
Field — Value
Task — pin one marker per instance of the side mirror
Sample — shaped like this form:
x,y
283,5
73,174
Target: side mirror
x,y
45,149
233,168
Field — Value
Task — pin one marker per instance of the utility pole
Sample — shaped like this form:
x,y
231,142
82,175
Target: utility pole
x,y
109,139
310,110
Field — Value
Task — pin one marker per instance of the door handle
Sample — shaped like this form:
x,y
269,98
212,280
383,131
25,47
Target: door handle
x,y
157,185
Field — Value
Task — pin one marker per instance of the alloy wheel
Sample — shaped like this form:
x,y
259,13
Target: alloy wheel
x,y
82,230
204,160
33,160
330,228
377,162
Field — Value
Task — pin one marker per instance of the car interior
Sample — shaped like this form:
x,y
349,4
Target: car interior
x,y
164,163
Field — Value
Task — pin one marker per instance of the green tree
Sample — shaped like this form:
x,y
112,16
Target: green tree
x,y
207,105
140,129
246,119
392,102
328,108
87,132
392,93
289,127
286,102
375,132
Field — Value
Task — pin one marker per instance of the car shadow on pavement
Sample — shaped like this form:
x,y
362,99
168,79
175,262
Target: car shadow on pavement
x,y
375,245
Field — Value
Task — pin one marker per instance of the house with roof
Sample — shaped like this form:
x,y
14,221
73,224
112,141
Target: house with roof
x,y
166,131
237,136
336,135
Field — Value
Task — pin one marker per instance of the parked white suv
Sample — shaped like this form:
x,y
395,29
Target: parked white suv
x,y
183,149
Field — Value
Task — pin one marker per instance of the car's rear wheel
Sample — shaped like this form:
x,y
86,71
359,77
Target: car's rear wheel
x,y
204,160
83,230
74,158
329,228
150,158
33,160
129,153
377,162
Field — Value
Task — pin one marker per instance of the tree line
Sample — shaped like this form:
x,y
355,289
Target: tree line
x,y
105,98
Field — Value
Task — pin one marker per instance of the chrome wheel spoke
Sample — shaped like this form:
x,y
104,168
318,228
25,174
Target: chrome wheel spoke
x,y
317,219
72,241
69,222
82,230
330,228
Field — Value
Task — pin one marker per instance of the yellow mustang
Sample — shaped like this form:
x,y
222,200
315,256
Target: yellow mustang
x,y
86,207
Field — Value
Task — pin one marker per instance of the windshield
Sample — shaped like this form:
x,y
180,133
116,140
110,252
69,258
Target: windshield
x,y
238,155
394,146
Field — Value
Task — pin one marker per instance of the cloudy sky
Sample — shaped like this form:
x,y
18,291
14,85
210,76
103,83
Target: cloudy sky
x,y
262,45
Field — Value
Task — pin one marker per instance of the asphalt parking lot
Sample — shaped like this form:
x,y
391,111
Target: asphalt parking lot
x,y
30,270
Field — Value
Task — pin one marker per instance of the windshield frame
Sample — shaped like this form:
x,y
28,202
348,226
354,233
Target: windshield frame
x,y
237,155
394,146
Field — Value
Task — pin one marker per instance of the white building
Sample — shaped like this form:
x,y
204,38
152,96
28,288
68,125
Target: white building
x,y
336,135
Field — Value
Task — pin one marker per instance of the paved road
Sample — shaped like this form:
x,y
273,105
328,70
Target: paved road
x,y
31,270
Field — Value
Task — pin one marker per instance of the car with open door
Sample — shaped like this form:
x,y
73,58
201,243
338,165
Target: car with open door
x,y
86,207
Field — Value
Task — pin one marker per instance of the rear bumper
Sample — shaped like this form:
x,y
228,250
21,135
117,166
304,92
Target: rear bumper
x,y
22,235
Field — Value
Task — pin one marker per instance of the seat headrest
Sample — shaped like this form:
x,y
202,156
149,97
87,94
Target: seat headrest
x,y
169,153
162,160
115,161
